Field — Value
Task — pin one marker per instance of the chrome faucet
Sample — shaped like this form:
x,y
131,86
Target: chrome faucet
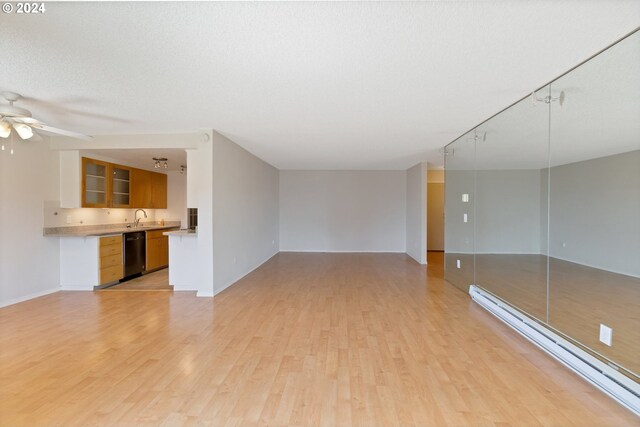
x,y
136,221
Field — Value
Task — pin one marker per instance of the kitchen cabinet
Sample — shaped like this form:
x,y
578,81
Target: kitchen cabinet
x,y
141,188
158,191
157,249
111,265
120,190
108,185
95,183
149,189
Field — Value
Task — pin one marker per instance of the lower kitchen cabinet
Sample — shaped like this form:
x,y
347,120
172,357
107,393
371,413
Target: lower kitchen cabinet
x,y
157,249
111,265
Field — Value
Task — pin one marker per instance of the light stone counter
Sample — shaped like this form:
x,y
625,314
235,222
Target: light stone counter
x,y
105,229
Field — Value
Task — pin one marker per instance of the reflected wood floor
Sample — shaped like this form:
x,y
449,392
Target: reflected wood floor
x,y
580,299
305,340
156,281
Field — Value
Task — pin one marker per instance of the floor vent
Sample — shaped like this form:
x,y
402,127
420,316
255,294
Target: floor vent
x,y
609,380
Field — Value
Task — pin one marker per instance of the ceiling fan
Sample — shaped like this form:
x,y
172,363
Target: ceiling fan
x,y
20,120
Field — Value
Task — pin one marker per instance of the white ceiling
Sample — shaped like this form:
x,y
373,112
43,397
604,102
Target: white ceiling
x,y
301,85
600,116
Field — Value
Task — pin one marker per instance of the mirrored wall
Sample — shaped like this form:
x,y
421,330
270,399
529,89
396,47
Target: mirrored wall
x,y
543,205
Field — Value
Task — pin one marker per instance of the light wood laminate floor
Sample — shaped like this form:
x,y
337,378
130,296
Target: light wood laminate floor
x,y
305,340
156,281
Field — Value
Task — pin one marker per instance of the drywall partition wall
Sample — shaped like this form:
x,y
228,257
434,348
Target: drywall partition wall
x,y
343,211
200,196
70,177
29,262
416,212
245,212
603,196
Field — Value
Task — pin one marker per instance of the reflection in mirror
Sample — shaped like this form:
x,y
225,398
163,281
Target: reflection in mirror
x,y
460,199
594,207
512,158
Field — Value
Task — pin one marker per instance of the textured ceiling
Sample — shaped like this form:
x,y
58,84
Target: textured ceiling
x,y
301,85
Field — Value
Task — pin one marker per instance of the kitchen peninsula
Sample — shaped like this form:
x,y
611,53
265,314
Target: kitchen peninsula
x,y
93,256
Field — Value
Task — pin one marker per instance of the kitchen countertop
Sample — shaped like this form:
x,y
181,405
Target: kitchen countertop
x,y
183,232
104,230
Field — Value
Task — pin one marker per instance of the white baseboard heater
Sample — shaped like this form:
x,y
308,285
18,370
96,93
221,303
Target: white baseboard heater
x,y
609,380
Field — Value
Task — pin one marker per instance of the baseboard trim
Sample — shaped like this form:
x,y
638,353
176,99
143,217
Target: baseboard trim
x,y
28,297
202,294
621,388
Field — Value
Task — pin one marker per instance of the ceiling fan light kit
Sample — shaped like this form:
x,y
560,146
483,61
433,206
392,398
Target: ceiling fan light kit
x,y
24,131
20,119
5,129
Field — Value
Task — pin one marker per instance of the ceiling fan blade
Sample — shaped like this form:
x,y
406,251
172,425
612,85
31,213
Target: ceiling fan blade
x,y
50,129
27,120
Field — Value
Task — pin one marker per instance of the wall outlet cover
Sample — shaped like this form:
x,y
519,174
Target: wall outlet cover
x,y
606,334
458,263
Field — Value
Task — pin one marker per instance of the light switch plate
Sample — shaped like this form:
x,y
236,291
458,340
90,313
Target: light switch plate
x,y
465,198
465,218
606,334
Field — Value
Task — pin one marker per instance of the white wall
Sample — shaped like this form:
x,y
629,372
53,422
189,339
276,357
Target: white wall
x,y
245,212
343,211
200,196
176,199
595,212
416,212
29,262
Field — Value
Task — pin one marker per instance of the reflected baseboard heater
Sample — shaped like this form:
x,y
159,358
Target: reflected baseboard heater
x,y
609,380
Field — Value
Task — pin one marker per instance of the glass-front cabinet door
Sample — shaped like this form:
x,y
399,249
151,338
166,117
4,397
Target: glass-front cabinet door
x,y
95,184
120,186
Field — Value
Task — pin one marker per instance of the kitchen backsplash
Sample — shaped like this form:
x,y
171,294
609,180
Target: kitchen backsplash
x,y
54,216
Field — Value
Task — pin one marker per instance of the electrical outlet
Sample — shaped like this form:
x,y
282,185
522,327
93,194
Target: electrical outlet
x,y
235,260
273,242
465,218
68,219
458,263
606,334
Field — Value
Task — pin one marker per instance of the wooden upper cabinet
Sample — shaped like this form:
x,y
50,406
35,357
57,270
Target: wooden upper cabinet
x,y
120,186
141,188
95,183
158,190
107,185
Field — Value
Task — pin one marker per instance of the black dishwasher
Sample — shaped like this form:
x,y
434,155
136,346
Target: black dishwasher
x,y
134,253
